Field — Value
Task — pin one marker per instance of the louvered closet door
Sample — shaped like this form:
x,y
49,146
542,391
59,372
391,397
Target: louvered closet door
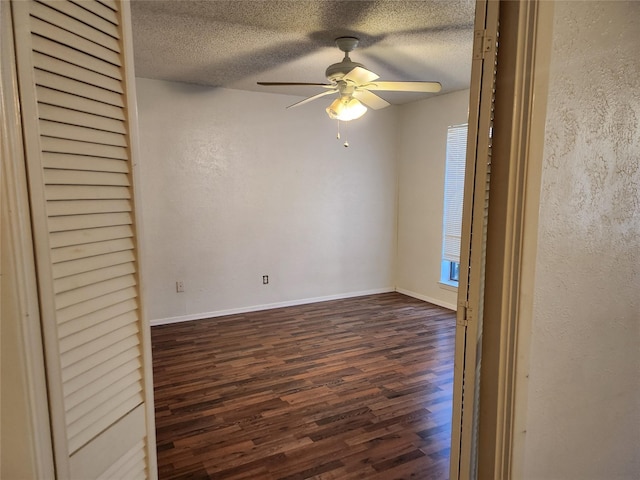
x,y
470,315
75,89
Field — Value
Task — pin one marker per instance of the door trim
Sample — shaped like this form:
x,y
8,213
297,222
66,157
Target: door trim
x,y
520,111
19,271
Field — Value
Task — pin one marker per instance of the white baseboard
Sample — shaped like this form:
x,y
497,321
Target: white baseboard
x,y
268,306
419,296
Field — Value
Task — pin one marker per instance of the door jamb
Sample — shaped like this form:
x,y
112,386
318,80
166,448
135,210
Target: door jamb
x,y
19,271
519,125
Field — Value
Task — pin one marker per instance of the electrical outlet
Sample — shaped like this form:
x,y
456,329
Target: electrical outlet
x,y
179,286
265,279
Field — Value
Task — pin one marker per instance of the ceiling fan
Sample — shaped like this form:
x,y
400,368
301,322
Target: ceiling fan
x,y
354,85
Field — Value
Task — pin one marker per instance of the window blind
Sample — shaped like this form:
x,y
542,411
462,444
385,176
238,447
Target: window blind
x,y
453,191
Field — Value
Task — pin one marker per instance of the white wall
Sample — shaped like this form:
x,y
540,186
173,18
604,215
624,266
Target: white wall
x,y
233,187
583,419
422,146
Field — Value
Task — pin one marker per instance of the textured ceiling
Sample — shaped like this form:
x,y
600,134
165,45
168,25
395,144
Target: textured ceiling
x,y
236,43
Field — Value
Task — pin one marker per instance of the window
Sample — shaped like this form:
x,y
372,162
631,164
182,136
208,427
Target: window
x,y
452,215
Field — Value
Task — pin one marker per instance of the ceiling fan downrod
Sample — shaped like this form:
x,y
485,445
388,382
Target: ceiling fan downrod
x,y
338,70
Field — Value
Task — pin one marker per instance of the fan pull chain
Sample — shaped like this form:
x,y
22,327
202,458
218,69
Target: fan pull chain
x,y
346,142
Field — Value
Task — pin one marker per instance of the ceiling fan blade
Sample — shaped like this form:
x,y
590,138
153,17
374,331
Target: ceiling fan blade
x,y
429,87
293,84
321,94
360,76
370,99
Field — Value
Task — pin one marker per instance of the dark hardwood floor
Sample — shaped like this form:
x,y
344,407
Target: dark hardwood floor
x,y
345,389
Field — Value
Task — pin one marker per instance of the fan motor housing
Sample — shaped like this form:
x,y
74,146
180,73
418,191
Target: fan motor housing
x,y
338,70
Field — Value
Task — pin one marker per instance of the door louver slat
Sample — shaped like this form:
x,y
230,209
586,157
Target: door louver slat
x,y
78,88
55,66
78,222
85,207
94,304
58,145
97,344
96,290
78,415
64,37
48,96
110,4
77,339
123,402
100,10
74,57
89,363
127,466
107,314
65,254
73,11
80,237
99,456
82,134
50,15
62,161
84,177
87,378
83,192
95,276
73,117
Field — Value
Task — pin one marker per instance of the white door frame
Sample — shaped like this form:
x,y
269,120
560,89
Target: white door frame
x,y
20,304
519,128
518,138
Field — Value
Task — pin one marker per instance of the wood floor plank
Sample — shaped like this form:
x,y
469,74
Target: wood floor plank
x,y
343,389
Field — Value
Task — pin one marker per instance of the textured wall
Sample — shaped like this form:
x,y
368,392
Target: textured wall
x,y
583,417
421,167
235,187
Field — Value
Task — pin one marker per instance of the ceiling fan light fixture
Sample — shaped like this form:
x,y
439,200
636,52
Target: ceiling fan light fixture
x,y
354,85
346,109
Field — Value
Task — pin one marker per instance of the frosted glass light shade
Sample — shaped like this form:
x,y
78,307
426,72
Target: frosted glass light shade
x,y
346,109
